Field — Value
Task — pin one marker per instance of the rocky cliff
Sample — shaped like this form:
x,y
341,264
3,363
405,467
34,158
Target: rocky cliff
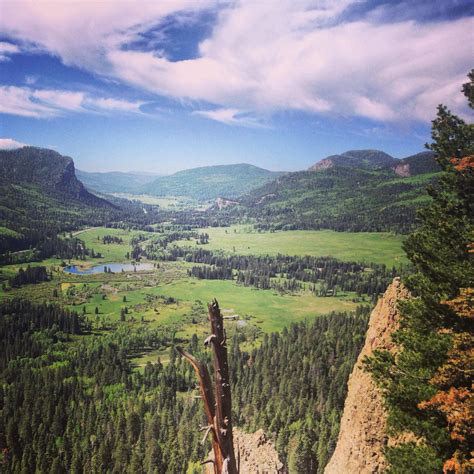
x,y
362,435
47,170
257,454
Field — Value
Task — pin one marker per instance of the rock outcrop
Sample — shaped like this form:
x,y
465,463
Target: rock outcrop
x,y
362,436
257,453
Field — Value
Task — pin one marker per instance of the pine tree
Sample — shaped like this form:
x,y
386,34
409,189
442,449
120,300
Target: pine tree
x,y
439,250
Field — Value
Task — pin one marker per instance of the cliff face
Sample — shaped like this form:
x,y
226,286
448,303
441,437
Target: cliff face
x,y
362,436
46,169
256,451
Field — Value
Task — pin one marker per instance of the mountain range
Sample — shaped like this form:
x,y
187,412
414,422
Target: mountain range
x,y
44,170
203,183
40,197
357,190
114,181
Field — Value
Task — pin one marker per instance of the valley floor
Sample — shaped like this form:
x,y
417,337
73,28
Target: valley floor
x,y
167,297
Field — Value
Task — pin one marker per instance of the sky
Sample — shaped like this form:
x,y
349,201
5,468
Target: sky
x,y
160,86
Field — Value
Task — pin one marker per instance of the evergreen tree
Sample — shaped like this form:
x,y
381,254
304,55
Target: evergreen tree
x,y
430,326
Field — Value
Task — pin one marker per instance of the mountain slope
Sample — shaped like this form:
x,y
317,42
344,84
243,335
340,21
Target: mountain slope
x,y
341,196
46,170
211,182
41,196
114,182
361,159
416,164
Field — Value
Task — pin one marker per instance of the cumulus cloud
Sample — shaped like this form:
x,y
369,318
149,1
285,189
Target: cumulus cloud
x,y
80,33
10,144
264,57
44,103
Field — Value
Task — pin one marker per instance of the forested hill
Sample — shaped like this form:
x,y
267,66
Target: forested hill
x,y
41,196
364,159
211,182
114,181
46,170
344,195
419,163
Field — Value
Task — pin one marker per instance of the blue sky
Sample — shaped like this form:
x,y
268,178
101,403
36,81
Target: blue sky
x,y
162,86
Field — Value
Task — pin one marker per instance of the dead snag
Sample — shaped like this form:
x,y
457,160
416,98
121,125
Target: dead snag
x,y
217,403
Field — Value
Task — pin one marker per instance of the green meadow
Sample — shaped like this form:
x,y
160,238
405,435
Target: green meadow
x,y
166,297
110,252
175,302
370,247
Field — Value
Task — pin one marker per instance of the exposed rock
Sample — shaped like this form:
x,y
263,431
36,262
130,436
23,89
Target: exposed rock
x,y
222,203
402,170
362,436
322,165
257,453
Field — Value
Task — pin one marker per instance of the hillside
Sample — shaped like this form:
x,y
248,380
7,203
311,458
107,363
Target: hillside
x,y
114,181
41,196
416,164
343,195
361,159
47,171
210,182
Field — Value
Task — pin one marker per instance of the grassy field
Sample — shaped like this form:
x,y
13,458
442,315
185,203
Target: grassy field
x,y
265,309
376,247
166,297
269,310
170,202
110,252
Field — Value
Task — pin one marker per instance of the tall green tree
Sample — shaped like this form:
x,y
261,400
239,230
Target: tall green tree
x,y
439,250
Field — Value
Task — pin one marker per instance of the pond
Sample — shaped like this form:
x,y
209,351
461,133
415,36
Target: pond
x,y
109,268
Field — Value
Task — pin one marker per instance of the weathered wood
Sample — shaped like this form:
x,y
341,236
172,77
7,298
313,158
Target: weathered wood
x,y
217,405
205,388
223,392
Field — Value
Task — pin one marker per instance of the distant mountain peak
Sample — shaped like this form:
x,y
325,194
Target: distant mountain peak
x,y
362,159
211,182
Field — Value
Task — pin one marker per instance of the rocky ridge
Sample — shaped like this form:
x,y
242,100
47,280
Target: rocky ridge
x,y
362,436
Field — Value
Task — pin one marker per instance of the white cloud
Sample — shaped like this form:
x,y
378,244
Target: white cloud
x,y
81,32
262,57
114,105
10,144
231,117
44,103
7,49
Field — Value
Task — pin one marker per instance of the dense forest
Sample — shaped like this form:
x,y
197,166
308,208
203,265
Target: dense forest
x,y
341,198
294,386
71,401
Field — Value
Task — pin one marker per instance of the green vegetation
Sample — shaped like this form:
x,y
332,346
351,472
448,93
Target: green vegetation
x,y
82,348
343,196
56,376
210,182
270,311
427,385
40,197
369,247
114,182
280,386
168,202
113,252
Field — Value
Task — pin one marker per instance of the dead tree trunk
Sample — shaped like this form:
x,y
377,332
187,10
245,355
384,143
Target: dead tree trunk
x,y
217,402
